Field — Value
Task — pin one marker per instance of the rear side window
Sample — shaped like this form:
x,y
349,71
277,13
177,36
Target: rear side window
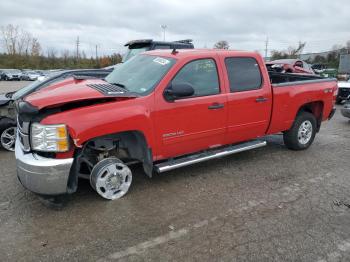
x,y
243,73
202,74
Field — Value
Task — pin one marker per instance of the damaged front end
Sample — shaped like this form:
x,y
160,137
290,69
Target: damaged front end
x,y
40,173
53,169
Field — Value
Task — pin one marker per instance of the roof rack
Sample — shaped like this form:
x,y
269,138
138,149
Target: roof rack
x,y
139,41
185,41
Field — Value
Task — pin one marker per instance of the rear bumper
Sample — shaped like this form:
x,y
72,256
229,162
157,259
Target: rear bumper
x,y
331,114
42,175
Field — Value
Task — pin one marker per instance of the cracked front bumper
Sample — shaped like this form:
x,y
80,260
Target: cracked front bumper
x,y
45,176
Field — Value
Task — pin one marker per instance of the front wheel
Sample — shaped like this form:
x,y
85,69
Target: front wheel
x,y
111,178
302,133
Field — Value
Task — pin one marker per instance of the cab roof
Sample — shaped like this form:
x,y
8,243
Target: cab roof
x,y
183,53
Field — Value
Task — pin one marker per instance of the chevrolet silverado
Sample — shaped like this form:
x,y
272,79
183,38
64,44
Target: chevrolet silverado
x,y
164,109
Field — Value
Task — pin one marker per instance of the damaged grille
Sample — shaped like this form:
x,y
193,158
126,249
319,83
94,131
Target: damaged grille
x,y
109,90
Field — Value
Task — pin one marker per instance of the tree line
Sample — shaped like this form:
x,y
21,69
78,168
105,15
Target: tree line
x,y
22,50
330,58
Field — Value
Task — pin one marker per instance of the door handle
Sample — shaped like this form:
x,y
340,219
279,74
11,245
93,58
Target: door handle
x,y
216,106
261,99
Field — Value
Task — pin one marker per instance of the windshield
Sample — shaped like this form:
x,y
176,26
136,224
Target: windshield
x,y
23,91
141,73
131,52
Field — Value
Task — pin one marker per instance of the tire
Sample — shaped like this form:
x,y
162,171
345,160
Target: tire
x,y
111,178
7,129
302,133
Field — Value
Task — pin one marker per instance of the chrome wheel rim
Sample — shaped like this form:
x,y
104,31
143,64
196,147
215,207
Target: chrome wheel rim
x,y
113,180
8,138
305,132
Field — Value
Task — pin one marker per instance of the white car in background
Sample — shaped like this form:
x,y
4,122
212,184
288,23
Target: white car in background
x,y
11,74
31,75
343,91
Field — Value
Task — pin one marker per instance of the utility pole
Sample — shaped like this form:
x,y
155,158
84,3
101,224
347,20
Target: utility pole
x,y
266,45
164,27
77,43
96,51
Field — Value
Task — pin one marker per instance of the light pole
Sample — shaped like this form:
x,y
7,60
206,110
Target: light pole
x,y
164,27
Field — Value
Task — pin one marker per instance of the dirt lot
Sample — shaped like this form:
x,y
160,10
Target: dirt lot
x,y
269,204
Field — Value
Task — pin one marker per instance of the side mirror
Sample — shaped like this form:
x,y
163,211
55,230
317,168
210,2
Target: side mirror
x,y
178,90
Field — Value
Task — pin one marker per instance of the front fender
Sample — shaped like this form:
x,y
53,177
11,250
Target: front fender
x,y
103,119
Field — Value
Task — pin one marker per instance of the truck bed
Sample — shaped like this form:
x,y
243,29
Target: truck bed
x,y
291,91
285,78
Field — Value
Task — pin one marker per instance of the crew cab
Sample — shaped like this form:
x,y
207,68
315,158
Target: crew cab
x,y
290,66
164,109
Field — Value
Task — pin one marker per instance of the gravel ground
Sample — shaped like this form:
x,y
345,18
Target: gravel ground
x,y
269,204
9,86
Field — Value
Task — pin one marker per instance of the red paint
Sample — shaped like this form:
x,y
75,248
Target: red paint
x,y
193,126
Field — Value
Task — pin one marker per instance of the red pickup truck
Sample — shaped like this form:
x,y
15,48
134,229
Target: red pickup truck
x,y
164,109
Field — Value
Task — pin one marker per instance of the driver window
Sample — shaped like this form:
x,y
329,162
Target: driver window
x,y
202,75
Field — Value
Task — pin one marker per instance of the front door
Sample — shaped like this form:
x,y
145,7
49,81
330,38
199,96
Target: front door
x,y
192,123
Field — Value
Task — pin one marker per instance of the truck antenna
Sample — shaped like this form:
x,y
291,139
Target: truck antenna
x,y
174,52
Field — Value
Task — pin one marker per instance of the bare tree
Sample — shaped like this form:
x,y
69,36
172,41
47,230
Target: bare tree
x,y
348,44
35,47
291,52
23,43
10,37
223,44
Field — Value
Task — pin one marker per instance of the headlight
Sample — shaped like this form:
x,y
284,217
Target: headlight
x,y
49,138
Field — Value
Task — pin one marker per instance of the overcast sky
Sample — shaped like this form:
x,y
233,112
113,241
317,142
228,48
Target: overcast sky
x,y
244,24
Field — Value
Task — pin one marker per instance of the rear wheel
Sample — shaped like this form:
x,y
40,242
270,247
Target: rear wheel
x,y
111,178
302,133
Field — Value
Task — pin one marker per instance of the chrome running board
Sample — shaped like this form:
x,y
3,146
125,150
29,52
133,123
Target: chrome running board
x,y
214,153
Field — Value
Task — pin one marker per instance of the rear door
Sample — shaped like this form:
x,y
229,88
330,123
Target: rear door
x,y
249,101
193,123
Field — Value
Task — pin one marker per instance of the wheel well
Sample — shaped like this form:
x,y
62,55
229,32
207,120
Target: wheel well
x,y
129,145
6,122
315,108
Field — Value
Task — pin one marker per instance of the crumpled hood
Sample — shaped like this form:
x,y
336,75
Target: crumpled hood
x,y
68,91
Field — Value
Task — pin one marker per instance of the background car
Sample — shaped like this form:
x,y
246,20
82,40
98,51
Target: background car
x,y
135,47
290,66
31,75
12,74
345,111
7,109
343,91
